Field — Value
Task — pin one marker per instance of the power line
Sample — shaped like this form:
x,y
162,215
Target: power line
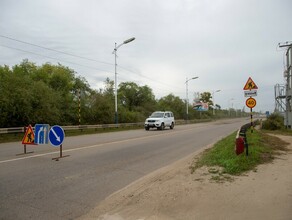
x,y
73,55
151,79
58,51
53,58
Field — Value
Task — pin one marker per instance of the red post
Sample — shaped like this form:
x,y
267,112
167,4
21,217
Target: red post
x,y
239,145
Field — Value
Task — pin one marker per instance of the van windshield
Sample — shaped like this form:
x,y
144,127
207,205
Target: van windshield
x,y
157,115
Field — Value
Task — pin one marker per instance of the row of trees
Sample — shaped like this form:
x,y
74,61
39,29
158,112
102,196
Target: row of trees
x,y
53,94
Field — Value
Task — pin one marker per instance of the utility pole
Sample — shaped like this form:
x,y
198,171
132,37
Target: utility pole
x,y
287,75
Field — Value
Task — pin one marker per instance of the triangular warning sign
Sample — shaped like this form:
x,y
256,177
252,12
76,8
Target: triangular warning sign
x,y
29,136
250,84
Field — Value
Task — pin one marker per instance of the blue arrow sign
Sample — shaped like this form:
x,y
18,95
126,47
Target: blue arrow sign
x,y
56,135
41,134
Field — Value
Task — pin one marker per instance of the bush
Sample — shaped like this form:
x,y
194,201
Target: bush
x,y
274,122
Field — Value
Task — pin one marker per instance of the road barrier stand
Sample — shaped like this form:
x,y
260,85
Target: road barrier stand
x,y
61,154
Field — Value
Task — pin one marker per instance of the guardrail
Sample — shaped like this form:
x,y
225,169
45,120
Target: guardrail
x,y
241,143
77,127
83,127
11,130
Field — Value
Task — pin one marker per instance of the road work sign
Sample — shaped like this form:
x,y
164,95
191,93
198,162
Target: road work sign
x,y
29,136
249,85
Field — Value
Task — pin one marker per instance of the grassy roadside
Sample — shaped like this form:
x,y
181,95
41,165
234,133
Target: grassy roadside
x,y
262,149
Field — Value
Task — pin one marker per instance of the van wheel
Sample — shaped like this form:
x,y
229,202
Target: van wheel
x,y
162,126
172,125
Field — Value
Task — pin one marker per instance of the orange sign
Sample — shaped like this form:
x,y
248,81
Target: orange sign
x,y
250,84
250,102
29,136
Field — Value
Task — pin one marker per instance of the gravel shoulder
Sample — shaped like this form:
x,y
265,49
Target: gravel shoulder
x,y
174,193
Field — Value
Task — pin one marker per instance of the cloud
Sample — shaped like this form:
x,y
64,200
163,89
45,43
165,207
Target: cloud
x,y
222,42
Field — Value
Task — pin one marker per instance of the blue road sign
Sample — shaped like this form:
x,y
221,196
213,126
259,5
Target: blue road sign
x,y
41,134
56,135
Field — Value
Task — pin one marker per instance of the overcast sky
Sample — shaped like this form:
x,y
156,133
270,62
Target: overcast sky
x,y
221,42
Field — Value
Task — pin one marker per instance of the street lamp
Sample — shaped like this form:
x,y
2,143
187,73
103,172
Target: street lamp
x,y
116,88
229,105
187,99
214,100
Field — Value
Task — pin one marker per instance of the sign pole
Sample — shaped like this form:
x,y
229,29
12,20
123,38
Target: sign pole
x,y
251,123
61,150
24,146
61,154
56,138
250,90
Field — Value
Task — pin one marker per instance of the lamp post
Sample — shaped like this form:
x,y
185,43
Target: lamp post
x,y
229,105
213,94
116,87
187,99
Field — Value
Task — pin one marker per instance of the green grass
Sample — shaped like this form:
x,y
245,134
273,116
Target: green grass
x,y
262,149
5,138
280,131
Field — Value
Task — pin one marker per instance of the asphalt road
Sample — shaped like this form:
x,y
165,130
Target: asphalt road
x,y
33,186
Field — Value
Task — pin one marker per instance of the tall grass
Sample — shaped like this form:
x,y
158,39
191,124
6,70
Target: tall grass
x,y
262,148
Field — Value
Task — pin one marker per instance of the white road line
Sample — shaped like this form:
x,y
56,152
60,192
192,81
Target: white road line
x,y
88,147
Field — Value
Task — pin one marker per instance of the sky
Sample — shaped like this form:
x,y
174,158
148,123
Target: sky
x,y
222,42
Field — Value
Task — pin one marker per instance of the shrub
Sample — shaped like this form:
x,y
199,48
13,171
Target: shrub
x,y
274,122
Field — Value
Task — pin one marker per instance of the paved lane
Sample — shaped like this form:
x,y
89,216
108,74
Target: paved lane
x,y
36,187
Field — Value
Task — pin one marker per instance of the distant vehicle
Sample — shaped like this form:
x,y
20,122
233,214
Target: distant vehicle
x,y
160,120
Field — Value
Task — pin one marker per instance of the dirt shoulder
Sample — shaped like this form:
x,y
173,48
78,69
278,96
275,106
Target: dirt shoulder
x,y
173,193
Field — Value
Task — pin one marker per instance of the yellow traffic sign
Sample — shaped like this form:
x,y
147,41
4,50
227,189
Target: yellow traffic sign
x,y
250,84
251,102
29,136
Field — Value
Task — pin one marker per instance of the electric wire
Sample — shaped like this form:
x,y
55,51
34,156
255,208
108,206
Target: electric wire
x,y
37,54
58,51
77,56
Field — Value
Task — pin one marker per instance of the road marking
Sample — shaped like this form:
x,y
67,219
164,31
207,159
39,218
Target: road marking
x,y
92,146
22,158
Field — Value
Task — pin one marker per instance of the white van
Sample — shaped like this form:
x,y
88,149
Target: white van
x,y
160,120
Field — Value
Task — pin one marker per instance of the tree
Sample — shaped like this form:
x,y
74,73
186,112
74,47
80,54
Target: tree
x,y
25,101
172,103
47,94
102,104
53,94
207,98
136,99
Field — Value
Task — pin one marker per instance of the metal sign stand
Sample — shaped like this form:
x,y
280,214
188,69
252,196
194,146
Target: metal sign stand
x,y
24,151
61,154
56,137
251,90
251,123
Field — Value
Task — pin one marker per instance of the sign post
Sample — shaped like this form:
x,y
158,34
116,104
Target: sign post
x,y
250,90
251,103
56,137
